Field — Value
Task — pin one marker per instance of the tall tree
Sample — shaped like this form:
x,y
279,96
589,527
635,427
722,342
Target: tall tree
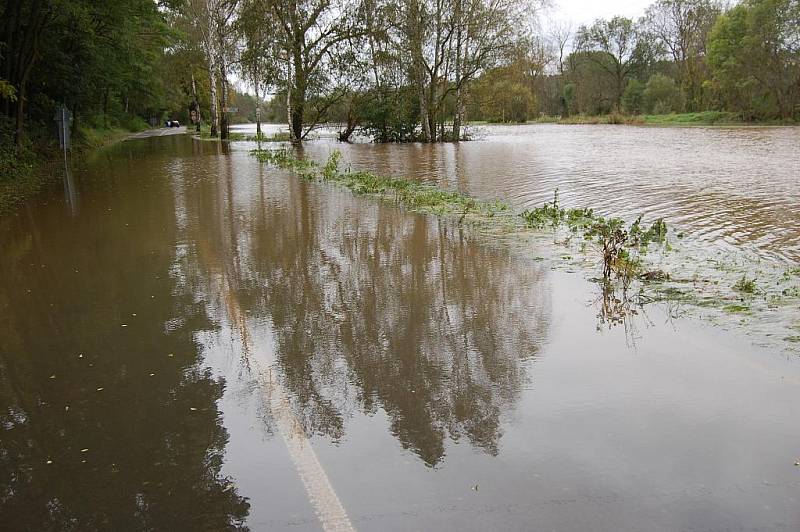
x,y
681,28
754,51
311,35
617,40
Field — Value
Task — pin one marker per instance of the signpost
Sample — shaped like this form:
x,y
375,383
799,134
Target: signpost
x,y
63,117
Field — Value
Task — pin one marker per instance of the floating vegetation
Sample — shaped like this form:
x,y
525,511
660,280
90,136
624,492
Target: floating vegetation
x,y
417,196
745,285
620,246
736,308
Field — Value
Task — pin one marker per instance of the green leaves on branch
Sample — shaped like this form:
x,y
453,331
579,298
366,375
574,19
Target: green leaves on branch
x,y
620,246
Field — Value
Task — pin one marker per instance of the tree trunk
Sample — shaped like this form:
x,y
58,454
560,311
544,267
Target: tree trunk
x,y
289,99
457,115
212,79
195,103
296,118
258,111
224,129
298,89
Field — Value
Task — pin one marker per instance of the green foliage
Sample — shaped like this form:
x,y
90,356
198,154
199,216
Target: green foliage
x,y
745,285
7,91
755,59
501,96
389,115
415,195
633,97
661,95
619,245
701,118
550,213
331,168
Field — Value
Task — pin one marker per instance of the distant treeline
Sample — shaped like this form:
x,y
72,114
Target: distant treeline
x,y
418,70
397,70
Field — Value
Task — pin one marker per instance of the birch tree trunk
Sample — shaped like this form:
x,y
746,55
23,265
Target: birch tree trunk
x,y
224,129
212,81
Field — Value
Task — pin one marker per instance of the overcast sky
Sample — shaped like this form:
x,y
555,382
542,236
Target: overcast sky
x,y
586,11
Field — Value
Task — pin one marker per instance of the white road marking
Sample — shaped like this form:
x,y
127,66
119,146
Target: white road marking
x,y
327,506
321,494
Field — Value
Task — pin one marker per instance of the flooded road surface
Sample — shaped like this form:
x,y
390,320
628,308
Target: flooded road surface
x,y
731,188
194,341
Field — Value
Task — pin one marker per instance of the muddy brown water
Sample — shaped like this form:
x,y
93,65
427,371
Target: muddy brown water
x,y
192,341
735,189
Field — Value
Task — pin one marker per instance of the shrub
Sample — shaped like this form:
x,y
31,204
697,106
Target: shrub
x,y
662,96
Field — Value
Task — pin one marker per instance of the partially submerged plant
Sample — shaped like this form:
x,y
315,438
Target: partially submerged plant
x,y
331,168
612,237
549,213
745,285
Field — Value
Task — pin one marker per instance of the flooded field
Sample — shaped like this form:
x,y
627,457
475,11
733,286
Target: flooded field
x,y
193,340
737,189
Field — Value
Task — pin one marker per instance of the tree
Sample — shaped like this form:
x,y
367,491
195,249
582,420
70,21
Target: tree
x,y
204,19
661,95
681,28
754,53
312,35
618,41
24,24
633,97
258,63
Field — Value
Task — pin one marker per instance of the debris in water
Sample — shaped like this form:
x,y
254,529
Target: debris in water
x,y
171,355
100,389
53,376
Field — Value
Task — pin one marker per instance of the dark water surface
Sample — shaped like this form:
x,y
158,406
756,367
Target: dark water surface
x,y
193,341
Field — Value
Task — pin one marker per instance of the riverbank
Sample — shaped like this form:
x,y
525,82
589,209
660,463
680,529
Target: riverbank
x,y
25,173
703,118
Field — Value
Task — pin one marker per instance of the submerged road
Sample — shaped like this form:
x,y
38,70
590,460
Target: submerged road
x,y
194,340
158,132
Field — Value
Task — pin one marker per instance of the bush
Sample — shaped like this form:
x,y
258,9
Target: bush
x,y
633,97
662,96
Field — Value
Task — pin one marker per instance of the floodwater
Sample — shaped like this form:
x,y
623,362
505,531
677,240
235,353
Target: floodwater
x,y
190,340
736,189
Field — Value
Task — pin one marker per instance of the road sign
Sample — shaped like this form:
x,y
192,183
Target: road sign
x,y
63,117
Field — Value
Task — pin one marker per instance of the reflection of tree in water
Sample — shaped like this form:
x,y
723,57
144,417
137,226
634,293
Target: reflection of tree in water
x,y
619,306
143,453
372,308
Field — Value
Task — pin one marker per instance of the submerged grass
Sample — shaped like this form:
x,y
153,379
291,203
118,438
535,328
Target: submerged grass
x,y
414,195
